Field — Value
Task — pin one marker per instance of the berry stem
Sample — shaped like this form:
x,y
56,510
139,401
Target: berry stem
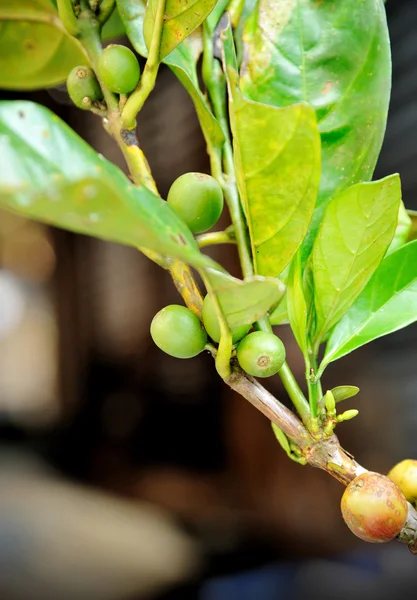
x,y
216,237
222,157
67,16
224,350
136,160
147,81
294,392
187,287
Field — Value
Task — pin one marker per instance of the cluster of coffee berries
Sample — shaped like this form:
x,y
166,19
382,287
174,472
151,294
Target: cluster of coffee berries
x,y
118,69
198,199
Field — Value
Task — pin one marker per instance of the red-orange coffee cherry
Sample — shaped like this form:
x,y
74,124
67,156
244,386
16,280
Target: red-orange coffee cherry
x,y
404,474
374,508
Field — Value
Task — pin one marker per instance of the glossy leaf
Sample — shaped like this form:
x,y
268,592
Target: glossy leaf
x,y
182,61
277,160
49,173
356,231
35,50
296,302
388,303
181,18
335,55
244,302
343,392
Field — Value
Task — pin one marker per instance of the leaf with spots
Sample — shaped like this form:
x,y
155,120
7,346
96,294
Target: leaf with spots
x,y
181,18
48,173
35,49
335,55
277,160
356,231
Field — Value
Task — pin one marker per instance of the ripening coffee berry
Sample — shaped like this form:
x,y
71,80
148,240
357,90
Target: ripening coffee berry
x,y
119,69
211,323
83,87
404,474
178,332
374,508
261,354
198,199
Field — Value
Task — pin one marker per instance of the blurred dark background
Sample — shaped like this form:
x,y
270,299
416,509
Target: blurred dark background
x,y
127,474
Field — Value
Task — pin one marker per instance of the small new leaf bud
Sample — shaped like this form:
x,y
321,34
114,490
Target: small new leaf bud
x,y
330,403
347,415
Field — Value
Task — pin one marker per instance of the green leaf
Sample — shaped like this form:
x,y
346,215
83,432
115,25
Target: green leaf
x,y
403,229
244,302
289,448
357,228
335,55
181,18
296,302
279,315
35,50
182,61
388,303
277,160
132,15
343,392
413,229
113,27
216,14
49,173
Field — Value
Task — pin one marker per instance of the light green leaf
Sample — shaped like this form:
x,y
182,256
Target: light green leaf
x,y
244,302
413,230
182,61
343,392
281,438
216,14
181,18
388,303
335,55
277,160
132,15
403,229
357,228
47,172
279,315
296,302
35,49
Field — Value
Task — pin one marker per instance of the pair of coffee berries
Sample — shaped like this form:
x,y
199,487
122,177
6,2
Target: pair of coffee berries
x,y
375,508
259,353
117,68
178,332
